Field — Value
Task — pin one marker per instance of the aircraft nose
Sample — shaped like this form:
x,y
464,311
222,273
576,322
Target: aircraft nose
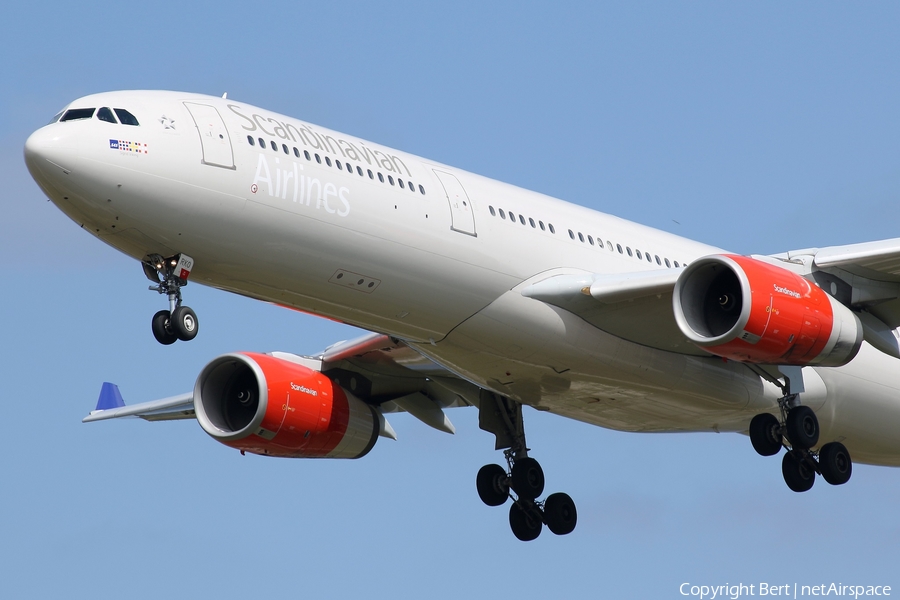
x,y
45,148
35,143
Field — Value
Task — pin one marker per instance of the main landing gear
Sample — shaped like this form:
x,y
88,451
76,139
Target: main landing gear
x,y
798,432
522,477
170,275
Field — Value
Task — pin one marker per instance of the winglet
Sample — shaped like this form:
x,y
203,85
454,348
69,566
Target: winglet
x,y
110,397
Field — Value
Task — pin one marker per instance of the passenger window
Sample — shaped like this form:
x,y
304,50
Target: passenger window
x,y
668,264
649,260
571,234
306,154
657,260
104,114
541,223
400,183
590,240
412,188
337,163
629,250
638,252
380,177
550,225
512,217
421,189
125,117
318,159
676,264
531,222
250,140
328,161
262,143
502,214
493,213
359,170
619,247
600,243
296,152
285,149
274,145
391,180
77,114
580,237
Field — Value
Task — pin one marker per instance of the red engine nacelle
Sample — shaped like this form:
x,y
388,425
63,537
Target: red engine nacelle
x,y
265,405
745,309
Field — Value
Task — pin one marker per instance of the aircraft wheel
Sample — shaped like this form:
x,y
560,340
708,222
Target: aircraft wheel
x,y
560,514
528,478
161,329
525,524
184,323
493,488
765,435
798,474
834,460
802,427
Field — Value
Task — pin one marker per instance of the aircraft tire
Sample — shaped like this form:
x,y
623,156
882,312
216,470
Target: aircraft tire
x,y
798,475
802,427
560,514
764,434
492,486
161,331
834,460
185,324
528,478
524,526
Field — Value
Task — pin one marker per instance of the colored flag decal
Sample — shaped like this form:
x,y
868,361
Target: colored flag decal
x,y
126,146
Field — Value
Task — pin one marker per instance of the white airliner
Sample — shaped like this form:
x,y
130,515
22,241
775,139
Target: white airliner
x,y
478,293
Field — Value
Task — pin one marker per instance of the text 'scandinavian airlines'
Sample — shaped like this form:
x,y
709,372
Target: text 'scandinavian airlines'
x,y
477,293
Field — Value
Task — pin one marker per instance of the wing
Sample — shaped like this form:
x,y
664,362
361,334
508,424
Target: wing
x,y
638,306
633,306
376,368
110,405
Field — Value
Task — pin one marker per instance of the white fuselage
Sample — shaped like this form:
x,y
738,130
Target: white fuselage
x,y
437,260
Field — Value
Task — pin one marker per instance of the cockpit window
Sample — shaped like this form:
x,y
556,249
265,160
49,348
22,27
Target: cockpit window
x,y
76,114
104,114
56,117
125,117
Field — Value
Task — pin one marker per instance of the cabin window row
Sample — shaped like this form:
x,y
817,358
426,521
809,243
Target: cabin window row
x,y
521,219
345,166
626,250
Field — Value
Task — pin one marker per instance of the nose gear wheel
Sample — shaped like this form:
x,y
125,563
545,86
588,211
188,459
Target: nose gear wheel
x,y
170,275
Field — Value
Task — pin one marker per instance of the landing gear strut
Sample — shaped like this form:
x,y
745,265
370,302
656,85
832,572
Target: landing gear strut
x,y
523,479
170,275
798,432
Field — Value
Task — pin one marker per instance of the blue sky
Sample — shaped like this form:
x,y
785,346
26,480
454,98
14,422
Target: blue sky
x,y
758,127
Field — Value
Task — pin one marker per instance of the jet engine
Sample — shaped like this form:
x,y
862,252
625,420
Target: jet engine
x,y
748,310
265,405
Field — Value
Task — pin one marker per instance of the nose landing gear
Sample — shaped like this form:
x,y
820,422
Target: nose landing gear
x,y
524,476
798,432
170,275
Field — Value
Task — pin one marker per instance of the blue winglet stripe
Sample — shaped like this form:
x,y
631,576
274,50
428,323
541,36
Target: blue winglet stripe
x,y
110,397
